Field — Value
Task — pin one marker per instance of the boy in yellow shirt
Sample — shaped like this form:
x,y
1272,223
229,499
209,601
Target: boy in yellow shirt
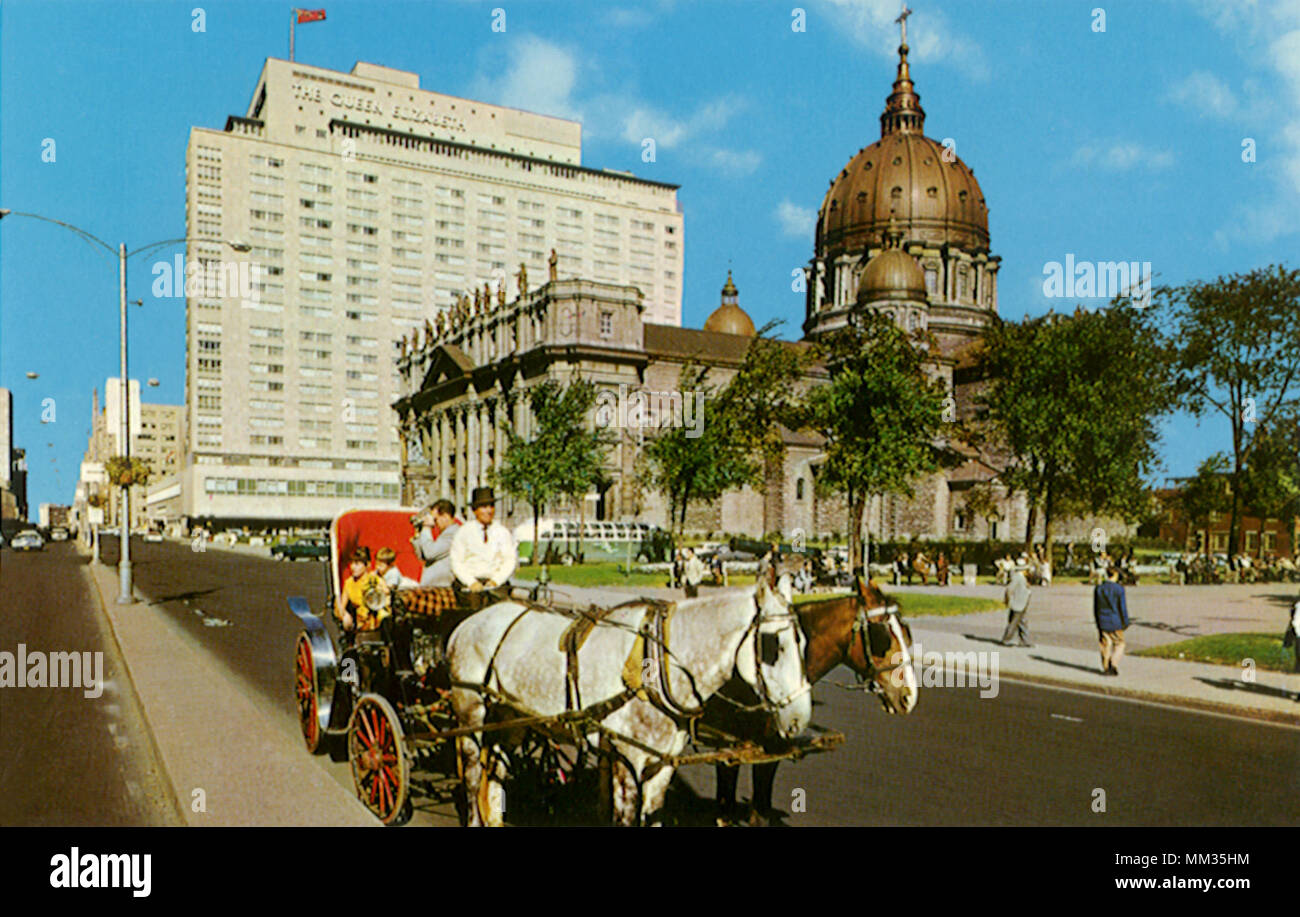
x,y
351,611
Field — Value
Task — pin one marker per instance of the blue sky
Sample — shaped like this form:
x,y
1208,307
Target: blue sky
x,y
1117,145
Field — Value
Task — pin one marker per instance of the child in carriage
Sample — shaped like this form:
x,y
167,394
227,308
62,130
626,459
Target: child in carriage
x,y
352,612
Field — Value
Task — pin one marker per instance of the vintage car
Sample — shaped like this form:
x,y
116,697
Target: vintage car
x,y
28,540
302,549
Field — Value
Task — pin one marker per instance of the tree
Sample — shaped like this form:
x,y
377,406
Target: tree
x,y
1074,401
564,457
1239,356
982,503
738,435
1271,483
1205,495
880,413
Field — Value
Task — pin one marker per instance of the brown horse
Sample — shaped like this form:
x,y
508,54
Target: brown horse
x,y
861,630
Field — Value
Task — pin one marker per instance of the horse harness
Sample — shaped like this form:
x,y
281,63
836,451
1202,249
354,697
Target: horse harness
x,y
862,624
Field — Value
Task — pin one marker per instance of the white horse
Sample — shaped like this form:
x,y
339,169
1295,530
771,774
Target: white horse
x,y
515,652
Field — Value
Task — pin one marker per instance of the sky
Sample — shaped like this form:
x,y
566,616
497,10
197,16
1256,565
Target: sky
x,y
1114,140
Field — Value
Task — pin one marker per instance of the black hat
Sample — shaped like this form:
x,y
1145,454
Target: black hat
x,y
482,496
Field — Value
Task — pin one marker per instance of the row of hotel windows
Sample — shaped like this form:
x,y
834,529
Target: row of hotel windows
x,y
270,486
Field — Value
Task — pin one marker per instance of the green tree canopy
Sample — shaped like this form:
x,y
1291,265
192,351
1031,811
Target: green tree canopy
x,y
881,414
1074,401
1239,356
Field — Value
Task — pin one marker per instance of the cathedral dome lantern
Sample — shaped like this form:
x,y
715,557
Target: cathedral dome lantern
x,y
729,318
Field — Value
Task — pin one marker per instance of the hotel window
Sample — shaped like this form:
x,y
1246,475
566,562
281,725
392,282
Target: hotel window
x,y
207,365
314,187
357,229
313,223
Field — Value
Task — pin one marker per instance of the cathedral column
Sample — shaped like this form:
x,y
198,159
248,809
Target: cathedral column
x,y
471,446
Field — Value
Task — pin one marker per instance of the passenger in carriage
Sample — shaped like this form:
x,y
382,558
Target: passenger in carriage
x,y
435,553
483,554
351,610
386,567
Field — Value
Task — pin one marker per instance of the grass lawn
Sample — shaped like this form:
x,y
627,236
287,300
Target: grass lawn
x,y
1229,649
915,604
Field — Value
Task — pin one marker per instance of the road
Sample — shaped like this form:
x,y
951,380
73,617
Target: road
x,y
65,758
1029,756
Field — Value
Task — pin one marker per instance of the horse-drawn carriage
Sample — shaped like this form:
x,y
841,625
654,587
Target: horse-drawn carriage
x,y
441,688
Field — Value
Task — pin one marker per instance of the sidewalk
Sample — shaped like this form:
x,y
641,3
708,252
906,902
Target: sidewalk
x,y
1066,653
212,737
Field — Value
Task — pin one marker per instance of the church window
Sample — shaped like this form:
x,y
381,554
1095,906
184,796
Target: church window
x,y
961,196
898,160
798,489
862,196
867,167
606,324
931,281
963,283
896,193
932,192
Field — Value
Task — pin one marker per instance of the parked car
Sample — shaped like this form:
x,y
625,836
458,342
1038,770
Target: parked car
x,y
28,540
58,533
304,548
153,536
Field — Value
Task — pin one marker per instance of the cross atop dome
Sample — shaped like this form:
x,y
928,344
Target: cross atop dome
x,y
902,20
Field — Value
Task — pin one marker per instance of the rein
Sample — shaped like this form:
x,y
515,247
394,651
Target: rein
x,y
864,617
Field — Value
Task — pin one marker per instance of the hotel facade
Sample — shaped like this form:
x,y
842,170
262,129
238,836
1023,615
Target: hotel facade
x,y
370,207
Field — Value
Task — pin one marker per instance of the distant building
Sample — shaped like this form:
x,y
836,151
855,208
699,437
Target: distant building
x,y
372,205
1257,536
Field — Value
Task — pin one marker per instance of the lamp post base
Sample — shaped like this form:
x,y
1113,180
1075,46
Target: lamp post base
x,y
124,596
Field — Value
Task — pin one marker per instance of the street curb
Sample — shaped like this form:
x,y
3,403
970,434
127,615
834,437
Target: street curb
x,y
1171,700
154,747
335,808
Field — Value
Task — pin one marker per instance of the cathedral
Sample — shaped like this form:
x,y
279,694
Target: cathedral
x,y
902,229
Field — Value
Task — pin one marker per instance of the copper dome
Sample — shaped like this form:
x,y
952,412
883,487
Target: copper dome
x,y
729,318
905,175
892,274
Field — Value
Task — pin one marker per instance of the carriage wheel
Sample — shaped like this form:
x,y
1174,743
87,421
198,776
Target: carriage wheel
x,y
381,772
307,689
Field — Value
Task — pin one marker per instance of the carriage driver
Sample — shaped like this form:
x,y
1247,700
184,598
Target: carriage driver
x,y
483,554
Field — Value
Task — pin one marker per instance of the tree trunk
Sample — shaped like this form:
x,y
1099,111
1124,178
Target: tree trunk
x,y
855,533
1031,521
537,511
582,521
1047,525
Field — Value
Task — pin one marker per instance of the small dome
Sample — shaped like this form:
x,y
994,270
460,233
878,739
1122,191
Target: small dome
x,y
892,274
729,318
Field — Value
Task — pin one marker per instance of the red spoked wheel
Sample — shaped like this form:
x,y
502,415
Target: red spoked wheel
x,y
307,689
381,772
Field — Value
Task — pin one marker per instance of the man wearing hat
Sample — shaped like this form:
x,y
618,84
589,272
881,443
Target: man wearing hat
x,y
483,554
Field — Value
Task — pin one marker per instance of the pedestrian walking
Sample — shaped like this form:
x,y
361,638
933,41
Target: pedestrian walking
x,y
693,573
941,569
1292,636
1110,611
1017,599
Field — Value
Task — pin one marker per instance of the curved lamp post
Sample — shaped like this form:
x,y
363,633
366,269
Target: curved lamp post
x,y
125,595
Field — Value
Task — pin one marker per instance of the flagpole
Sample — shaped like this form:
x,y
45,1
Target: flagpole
x,y
293,17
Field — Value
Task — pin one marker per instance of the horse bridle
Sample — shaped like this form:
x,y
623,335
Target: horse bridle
x,y
754,635
860,623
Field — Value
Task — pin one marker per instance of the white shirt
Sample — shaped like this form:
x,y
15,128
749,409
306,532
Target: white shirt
x,y
475,557
1295,619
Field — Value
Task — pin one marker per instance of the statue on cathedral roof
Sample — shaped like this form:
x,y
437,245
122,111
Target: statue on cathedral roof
x,y
501,292
523,279
553,264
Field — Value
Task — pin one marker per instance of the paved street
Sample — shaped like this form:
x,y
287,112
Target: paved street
x,y
68,759
1029,756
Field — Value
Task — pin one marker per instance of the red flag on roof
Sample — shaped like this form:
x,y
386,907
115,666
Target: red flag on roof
x,y
309,15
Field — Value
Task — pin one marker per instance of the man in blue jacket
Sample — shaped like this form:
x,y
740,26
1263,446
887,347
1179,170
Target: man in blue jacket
x,y
1110,611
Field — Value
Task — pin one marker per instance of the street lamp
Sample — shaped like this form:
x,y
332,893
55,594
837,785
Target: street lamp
x,y
125,596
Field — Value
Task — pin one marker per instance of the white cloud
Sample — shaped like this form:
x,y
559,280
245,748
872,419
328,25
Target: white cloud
x,y
1121,156
929,36
1205,92
539,77
796,221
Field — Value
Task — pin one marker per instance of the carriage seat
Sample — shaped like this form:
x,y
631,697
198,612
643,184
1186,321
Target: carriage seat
x,y
426,602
